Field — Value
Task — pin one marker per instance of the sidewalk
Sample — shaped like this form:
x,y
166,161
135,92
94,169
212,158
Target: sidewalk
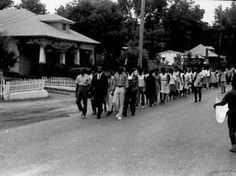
x,y
60,88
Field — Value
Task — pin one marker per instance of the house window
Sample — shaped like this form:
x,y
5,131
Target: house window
x,y
64,27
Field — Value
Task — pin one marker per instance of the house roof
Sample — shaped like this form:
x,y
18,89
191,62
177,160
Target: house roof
x,y
23,23
51,18
200,51
170,51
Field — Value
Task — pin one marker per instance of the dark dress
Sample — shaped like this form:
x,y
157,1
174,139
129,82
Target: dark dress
x,y
99,88
150,88
131,95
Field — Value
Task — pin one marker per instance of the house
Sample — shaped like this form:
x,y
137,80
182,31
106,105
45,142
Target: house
x,y
45,40
207,53
168,57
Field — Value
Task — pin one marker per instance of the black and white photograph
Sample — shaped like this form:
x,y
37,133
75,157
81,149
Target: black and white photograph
x,y
117,88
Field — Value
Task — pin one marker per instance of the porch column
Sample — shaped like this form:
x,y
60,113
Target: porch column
x,y
77,57
63,58
42,55
92,57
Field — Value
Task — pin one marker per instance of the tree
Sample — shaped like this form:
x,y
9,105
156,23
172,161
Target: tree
x,y
154,34
183,24
225,30
5,4
34,6
8,54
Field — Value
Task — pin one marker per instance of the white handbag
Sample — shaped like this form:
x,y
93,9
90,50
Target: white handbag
x,y
221,112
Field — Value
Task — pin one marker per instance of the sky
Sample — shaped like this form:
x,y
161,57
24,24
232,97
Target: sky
x,y
207,5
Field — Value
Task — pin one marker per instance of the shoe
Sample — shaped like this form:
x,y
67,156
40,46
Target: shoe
x,y
233,149
117,115
133,114
195,101
98,117
109,113
119,118
83,117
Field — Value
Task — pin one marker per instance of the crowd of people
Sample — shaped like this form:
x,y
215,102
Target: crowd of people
x,y
120,90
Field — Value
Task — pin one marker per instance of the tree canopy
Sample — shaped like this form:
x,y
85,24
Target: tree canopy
x,y
5,4
225,31
34,6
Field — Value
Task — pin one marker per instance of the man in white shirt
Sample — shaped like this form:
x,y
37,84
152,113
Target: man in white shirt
x,y
83,82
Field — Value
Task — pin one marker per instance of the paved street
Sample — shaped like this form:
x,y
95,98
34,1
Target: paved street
x,y
180,138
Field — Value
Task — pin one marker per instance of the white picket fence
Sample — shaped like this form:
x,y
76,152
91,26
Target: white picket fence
x,y
59,81
21,85
3,90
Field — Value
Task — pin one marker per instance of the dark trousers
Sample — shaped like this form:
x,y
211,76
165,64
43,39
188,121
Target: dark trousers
x,y
232,127
98,103
130,100
93,104
197,93
82,96
150,98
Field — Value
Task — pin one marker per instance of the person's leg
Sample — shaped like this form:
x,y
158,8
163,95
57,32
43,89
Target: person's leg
x,y
137,98
165,97
78,102
195,94
170,95
161,97
99,106
93,104
142,97
110,104
132,103
116,99
200,93
85,100
121,102
232,130
126,103
222,87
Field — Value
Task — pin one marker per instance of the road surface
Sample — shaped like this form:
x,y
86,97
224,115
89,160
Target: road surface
x,y
180,138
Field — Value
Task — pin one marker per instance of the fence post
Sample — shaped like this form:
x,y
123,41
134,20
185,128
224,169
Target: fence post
x,y
6,90
43,83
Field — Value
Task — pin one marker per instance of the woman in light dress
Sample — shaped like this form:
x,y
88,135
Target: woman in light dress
x,y
172,85
165,78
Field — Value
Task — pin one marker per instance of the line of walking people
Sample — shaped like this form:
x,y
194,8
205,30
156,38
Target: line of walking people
x,y
120,90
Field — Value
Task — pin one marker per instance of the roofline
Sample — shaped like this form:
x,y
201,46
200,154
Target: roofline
x,y
98,43
177,52
61,20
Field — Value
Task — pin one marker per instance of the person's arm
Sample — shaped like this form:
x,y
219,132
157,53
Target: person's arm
x,y
223,102
76,90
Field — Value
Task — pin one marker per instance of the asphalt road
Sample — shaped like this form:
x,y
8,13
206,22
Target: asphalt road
x,y
180,138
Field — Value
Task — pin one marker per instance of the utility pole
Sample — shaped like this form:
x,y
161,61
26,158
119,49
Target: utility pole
x,y
220,36
141,32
